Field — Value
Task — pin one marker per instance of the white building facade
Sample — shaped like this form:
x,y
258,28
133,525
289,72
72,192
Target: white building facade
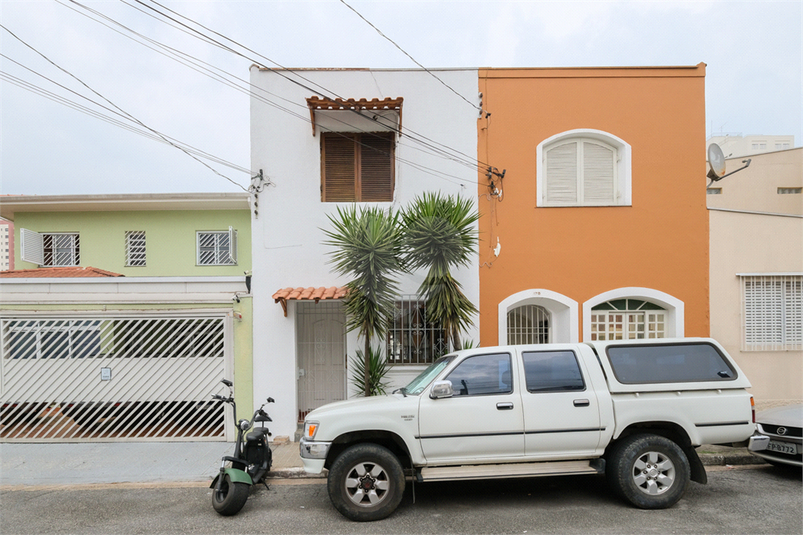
x,y
323,141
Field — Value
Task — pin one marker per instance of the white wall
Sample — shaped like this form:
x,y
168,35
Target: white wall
x,y
287,240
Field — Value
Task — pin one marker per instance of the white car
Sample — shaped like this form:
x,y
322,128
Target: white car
x,y
784,426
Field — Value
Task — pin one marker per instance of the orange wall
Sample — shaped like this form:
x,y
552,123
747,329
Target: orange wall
x,y
660,242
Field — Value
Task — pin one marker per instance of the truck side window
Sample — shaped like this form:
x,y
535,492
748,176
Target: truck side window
x,y
552,371
482,375
669,363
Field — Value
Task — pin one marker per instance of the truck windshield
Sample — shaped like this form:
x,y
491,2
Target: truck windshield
x,y
418,384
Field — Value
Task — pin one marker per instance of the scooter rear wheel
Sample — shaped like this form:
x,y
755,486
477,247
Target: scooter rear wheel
x,y
227,497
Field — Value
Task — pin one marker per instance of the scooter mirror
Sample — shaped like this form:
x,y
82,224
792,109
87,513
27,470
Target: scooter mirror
x,y
270,400
227,383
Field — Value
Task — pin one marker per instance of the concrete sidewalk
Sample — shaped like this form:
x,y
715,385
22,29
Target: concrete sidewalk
x,y
180,462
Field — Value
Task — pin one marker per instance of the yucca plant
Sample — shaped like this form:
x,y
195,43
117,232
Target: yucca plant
x,y
375,372
368,247
440,234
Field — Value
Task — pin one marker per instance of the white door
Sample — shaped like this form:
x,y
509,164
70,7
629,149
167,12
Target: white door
x,y
321,355
482,420
561,410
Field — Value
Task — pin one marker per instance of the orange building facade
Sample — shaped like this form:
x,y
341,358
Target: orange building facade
x,y
598,229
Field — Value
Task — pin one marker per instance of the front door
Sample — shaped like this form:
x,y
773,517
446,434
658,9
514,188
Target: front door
x,y
321,339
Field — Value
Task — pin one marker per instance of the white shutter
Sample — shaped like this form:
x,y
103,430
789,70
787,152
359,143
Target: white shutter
x,y
793,313
232,245
598,173
32,247
561,174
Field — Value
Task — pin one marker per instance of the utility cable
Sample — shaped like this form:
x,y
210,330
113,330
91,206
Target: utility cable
x,y
411,57
123,111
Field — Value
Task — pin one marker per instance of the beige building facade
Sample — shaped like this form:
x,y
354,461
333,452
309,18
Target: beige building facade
x,y
756,272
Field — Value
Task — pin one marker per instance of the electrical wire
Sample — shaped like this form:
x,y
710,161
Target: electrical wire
x,y
324,93
131,117
409,56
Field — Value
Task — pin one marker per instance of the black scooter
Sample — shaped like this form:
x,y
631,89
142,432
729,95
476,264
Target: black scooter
x,y
248,465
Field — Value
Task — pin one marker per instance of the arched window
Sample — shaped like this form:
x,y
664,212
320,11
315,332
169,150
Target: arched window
x,y
583,168
627,319
528,324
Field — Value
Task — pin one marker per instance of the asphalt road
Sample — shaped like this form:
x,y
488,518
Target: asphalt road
x,y
749,500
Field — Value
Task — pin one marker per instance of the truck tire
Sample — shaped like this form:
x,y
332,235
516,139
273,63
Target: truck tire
x,y
649,471
366,483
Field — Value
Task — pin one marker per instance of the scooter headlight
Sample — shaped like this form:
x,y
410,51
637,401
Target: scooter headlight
x,y
244,424
310,428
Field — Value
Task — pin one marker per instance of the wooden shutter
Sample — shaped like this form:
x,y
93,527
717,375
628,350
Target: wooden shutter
x,y
32,247
376,167
561,173
339,168
598,174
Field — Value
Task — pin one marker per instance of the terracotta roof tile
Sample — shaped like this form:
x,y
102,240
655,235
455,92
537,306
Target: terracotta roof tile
x,y
317,103
308,294
58,273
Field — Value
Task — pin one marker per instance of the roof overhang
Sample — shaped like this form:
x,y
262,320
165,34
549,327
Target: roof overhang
x,y
308,294
10,204
353,115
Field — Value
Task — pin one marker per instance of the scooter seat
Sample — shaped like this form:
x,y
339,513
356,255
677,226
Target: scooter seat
x,y
257,434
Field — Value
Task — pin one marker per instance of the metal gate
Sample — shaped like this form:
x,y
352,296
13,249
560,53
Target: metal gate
x,y
112,378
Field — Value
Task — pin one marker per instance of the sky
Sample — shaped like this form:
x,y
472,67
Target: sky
x,y
74,50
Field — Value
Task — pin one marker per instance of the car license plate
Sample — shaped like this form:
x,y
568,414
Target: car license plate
x,y
782,447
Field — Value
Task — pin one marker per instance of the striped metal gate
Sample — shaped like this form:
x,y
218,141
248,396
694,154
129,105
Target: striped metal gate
x,y
109,378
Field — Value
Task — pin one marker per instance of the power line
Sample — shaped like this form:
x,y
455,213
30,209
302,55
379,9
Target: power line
x,y
131,117
472,162
411,57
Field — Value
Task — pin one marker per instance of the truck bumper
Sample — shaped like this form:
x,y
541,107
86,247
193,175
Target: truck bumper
x,y
313,455
758,442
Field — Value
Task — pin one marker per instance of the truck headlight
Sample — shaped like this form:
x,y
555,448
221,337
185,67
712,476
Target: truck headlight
x,y
310,428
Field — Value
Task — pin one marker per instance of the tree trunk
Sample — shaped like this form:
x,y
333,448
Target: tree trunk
x,y
367,355
457,345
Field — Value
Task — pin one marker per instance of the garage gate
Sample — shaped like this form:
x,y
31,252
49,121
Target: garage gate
x,y
112,378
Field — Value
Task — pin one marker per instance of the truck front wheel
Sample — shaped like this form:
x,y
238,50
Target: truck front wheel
x,y
366,482
649,471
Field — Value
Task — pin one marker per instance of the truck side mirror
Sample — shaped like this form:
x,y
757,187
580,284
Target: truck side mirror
x,y
441,389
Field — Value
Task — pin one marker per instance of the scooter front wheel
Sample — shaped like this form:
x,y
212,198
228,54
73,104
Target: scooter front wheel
x,y
228,497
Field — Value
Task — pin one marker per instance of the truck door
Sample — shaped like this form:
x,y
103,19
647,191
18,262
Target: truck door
x,y
561,409
482,420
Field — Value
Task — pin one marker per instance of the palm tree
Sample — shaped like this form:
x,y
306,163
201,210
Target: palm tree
x,y
368,247
440,234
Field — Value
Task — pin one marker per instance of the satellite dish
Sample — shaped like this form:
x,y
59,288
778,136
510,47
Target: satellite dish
x,y
716,162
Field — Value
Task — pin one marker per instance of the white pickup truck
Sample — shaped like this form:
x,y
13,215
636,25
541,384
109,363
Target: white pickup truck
x,y
634,411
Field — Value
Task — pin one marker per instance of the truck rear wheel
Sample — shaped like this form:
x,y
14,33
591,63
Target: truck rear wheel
x,y
649,471
366,482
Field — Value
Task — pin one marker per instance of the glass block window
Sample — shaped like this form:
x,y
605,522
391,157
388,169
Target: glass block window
x,y
411,338
217,248
135,248
528,324
772,310
627,319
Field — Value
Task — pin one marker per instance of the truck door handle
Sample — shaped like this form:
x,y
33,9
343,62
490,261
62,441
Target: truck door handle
x,y
581,403
504,406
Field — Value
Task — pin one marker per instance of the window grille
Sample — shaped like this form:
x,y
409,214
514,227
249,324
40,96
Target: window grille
x,y
61,250
411,338
627,319
135,248
528,324
217,248
772,308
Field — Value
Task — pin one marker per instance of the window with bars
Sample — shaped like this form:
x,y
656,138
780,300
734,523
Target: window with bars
x,y
357,167
411,338
135,248
772,308
627,319
528,324
217,248
61,249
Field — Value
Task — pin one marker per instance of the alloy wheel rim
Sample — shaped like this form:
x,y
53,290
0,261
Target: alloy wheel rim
x,y
653,473
367,484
